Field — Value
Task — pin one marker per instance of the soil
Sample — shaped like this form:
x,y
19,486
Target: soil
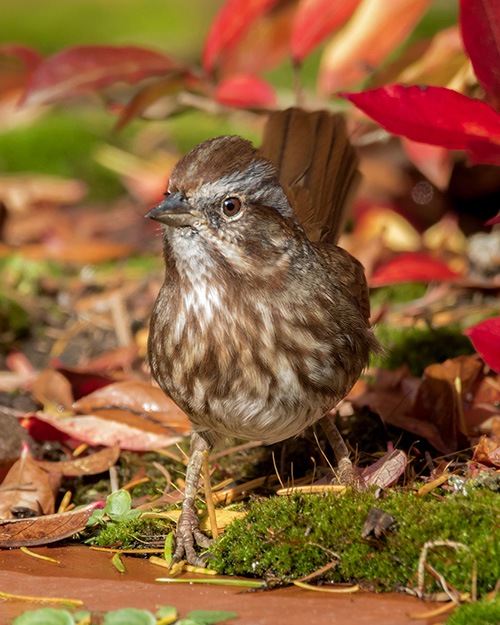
x,y
89,575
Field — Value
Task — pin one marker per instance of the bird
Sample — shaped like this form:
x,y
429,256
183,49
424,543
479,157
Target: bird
x,y
262,323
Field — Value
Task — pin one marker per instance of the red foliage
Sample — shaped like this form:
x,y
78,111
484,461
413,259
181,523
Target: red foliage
x,y
229,25
314,21
412,267
485,337
433,115
243,91
77,71
480,25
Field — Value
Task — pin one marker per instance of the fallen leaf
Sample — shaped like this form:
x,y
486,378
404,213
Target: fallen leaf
x,y
51,386
27,485
45,529
487,451
437,401
385,471
92,464
98,431
134,394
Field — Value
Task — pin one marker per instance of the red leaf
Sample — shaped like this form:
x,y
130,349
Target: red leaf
x,y
229,25
484,152
243,91
412,267
83,69
480,25
434,115
315,20
493,220
485,337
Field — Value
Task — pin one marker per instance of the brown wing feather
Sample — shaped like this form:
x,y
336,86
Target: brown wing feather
x,y
317,167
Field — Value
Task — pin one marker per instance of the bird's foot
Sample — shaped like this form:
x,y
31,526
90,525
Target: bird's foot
x,y
346,474
188,533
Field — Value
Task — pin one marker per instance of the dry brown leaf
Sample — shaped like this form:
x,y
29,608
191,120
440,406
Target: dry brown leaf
x,y
45,529
19,192
51,386
95,463
28,485
145,404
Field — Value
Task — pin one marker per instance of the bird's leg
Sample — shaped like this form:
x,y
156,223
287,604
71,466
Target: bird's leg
x,y
346,474
188,526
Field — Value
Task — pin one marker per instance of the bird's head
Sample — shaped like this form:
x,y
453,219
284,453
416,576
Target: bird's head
x,y
225,195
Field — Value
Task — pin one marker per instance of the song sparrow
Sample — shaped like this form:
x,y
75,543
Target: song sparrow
x,y
262,324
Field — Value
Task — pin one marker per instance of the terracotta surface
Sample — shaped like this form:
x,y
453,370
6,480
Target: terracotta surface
x,y
89,575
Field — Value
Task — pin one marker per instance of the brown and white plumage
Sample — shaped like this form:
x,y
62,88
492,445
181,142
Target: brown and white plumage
x,y
258,330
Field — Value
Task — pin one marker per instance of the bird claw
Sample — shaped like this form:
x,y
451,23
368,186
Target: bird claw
x,y
188,533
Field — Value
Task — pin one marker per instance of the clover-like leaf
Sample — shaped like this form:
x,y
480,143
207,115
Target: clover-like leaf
x,y
45,616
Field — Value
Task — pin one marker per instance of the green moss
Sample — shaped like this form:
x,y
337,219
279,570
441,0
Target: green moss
x,y
420,347
294,536
480,613
134,533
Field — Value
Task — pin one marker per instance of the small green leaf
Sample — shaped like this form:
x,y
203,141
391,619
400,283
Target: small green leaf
x,y
132,514
95,517
45,616
169,547
117,563
208,617
118,503
129,616
166,614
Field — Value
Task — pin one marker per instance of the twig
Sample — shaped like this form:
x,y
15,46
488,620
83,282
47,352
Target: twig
x,y
423,555
113,479
209,499
233,450
277,472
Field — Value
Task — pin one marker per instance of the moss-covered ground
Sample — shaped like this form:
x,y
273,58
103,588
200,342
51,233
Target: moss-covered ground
x,y
481,613
293,536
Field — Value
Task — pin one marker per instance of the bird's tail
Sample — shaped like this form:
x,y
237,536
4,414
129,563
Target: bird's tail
x,y
317,167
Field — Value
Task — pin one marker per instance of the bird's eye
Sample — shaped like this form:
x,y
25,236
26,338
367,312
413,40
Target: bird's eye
x,y
231,206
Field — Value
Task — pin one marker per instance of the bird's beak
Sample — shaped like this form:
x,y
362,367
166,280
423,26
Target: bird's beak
x,y
174,211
